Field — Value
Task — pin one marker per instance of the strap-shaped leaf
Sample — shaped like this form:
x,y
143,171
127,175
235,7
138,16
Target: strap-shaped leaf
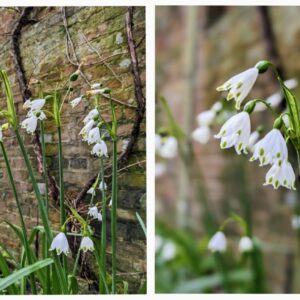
x,y
17,276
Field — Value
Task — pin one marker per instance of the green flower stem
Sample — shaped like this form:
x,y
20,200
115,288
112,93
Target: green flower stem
x,y
114,215
61,192
25,238
58,267
47,245
102,265
76,262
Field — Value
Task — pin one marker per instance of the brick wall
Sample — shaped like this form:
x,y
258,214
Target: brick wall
x,y
231,41
43,51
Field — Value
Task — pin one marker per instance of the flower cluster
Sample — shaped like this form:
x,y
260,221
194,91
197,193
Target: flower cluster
x,y
236,131
218,243
34,114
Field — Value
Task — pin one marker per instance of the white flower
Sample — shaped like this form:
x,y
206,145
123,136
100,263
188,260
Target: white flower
x,y
98,91
93,212
270,149
291,83
102,186
281,174
236,132
39,114
168,251
30,124
34,105
60,244
76,101
95,86
91,115
245,244
100,149
87,244
160,169
91,191
206,118
168,148
99,217
218,242
201,134
110,202
1,134
86,129
217,107
254,136
240,85
296,222
94,136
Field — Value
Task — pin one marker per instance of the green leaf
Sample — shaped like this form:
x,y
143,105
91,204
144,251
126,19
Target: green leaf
x,y
204,283
143,288
125,287
72,284
18,275
142,223
12,116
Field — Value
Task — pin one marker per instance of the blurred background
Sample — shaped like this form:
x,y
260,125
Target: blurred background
x,y
197,50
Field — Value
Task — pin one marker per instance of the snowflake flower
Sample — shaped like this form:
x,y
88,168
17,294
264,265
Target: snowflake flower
x,y
94,136
30,124
218,242
100,149
92,115
201,134
245,244
236,132
60,244
76,101
87,244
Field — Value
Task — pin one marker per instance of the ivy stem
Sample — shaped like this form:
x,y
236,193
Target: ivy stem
x,y
25,238
102,265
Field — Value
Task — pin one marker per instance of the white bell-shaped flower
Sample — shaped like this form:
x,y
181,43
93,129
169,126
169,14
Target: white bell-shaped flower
x,y
281,174
168,148
40,115
236,132
76,101
240,85
30,124
100,149
91,191
245,244
296,222
87,244
34,105
91,115
206,118
201,134
270,149
95,86
60,244
102,186
218,242
93,212
86,129
254,136
99,217
94,136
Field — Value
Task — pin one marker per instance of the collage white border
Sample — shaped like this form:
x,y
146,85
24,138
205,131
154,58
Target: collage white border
x,y
150,130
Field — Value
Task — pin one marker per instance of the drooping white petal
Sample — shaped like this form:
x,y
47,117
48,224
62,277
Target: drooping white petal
x,y
254,136
95,86
99,217
236,132
291,83
34,105
100,149
270,149
281,174
76,101
206,118
201,134
168,148
86,129
218,242
91,115
87,244
245,244
91,191
240,85
93,212
30,124
102,186
60,244
94,136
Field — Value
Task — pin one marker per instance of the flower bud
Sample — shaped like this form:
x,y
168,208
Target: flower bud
x,y
278,123
74,76
262,66
249,107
